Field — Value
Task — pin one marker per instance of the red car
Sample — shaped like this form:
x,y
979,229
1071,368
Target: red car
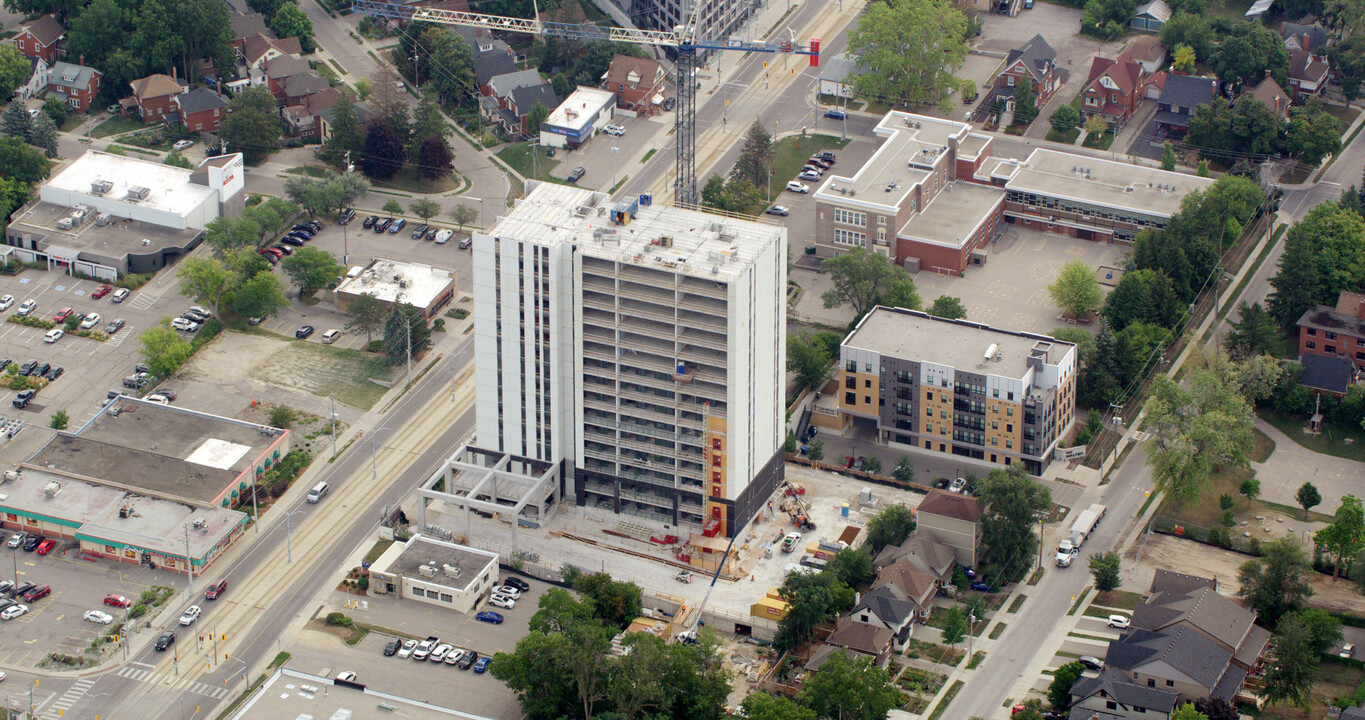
x,y
62,315
37,593
117,601
46,546
101,291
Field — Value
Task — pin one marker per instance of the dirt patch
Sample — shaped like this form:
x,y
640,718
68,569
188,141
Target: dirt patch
x,y
308,367
1164,552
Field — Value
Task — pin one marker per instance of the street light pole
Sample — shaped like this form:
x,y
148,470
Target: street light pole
x,y
332,401
288,538
189,564
613,165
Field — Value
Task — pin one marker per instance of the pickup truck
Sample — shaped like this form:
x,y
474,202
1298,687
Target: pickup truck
x,y
425,647
789,542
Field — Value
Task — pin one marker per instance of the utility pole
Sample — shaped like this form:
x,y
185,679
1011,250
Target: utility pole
x,y
374,466
332,401
255,512
613,164
189,564
288,538
407,325
416,70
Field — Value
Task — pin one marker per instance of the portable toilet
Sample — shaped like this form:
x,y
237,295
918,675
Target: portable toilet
x,y
646,199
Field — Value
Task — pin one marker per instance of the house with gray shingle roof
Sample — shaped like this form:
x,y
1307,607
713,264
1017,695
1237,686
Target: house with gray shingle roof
x,y
75,85
1179,97
1034,61
887,607
1113,694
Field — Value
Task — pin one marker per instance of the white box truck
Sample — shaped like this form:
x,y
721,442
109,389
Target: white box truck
x,y
1080,532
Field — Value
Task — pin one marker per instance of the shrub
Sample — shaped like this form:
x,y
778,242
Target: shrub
x,y
339,620
281,417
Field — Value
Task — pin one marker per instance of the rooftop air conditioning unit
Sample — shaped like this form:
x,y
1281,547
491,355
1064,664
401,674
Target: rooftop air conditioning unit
x,y
137,193
11,475
101,187
426,571
65,223
451,570
52,488
199,523
103,219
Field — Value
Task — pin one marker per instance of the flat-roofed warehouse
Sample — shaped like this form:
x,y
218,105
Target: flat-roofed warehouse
x,y
425,287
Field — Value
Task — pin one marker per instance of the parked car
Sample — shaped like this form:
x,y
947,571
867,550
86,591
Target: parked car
x,y
392,647
502,601
431,234
215,589
419,232
1347,650
489,616
1119,621
138,381
408,647
21,401
117,601
303,332
468,660
614,130
289,241
98,616
185,325
836,114
17,539
466,243
190,615
517,583
114,326
397,226
346,675
62,315
669,104
53,335
444,236
813,168
38,592
438,653
46,546
330,336
382,225
819,162
826,155
100,292
26,308
346,217
369,222
200,311
90,321
41,369
981,586
576,174
120,295
24,587
796,187
6,587
509,591
13,611
165,640
1090,662
286,249
481,665
809,175
6,301
182,144
159,399
781,211
958,486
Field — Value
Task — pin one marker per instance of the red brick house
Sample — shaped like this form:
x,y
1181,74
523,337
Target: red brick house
x,y
153,97
41,39
304,119
1307,74
1114,89
1036,62
76,85
259,49
638,83
1335,331
1269,92
279,70
200,110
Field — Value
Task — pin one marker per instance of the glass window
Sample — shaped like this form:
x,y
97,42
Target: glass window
x,y
844,237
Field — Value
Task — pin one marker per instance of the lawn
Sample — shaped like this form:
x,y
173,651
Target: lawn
x,y
72,121
1068,137
326,371
1344,115
115,125
312,171
1116,599
1341,442
406,180
519,158
933,652
790,155
1099,142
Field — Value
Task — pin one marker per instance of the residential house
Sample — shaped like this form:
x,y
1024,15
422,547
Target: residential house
x,y
925,552
1035,62
279,70
1229,625
323,119
1151,16
259,49
511,96
298,87
837,74
885,606
824,652
41,39
244,26
912,585
523,99
304,119
1180,95
1114,89
501,87
492,57
1310,38
1307,74
1112,695
1328,374
639,83
76,85
1148,51
153,97
1268,91
36,83
1335,331
200,110
953,519
871,640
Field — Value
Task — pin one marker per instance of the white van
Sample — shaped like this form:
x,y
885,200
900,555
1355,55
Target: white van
x,y
318,492
444,236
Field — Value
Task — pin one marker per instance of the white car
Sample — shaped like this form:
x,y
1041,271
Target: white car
x,y
509,591
424,649
406,651
200,310
53,335
808,175
796,187
158,398
120,295
1119,621
6,301
183,324
958,486
16,539
182,144
439,654
330,336
90,321
454,656
13,611
1347,650
27,307
191,614
346,675
444,236
502,601
95,616
616,130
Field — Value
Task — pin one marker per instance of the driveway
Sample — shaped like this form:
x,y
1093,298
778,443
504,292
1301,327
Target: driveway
x,y
1291,465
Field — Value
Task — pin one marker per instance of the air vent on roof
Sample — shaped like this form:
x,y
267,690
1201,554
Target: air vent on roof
x,y
137,193
101,187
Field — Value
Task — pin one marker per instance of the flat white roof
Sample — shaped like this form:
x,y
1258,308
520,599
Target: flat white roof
x,y
580,108
913,144
1136,188
396,281
685,241
168,187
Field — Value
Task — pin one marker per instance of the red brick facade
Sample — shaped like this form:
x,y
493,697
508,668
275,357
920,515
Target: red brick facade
x,y
41,39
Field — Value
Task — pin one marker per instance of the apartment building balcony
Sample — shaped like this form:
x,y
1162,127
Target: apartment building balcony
x,y
646,446
704,288
654,311
598,264
701,354
648,498
599,300
642,395
646,513
702,337
688,504
646,293
648,474
599,487
645,275
604,286
599,353
647,326
693,472
600,404
647,361
702,320
647,411
644,343
599,335
601,455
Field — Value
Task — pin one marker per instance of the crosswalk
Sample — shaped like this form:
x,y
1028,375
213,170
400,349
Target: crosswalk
x,y
142,301
69,698
198,688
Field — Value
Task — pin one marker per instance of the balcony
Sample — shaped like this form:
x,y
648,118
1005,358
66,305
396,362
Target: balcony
x,y
704,288
648,498
601,285
705,321
646,326
645,293
602,455
643,343
653,311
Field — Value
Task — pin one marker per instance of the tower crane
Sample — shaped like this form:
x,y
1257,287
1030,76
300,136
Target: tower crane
x,y
682,40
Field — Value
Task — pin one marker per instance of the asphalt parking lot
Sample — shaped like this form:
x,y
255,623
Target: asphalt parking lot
x,y
596,155
55,623
91,367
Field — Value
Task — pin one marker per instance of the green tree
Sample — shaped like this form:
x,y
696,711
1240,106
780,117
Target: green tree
x,y
1188,712
850,690
383,155
1203,169
863,279
812,599
1308,498
1250,489
434,159
1254,333
13,195
175,158
368,314
1107,570
912,47
852,567
261,296
206,279
955,625
891,525
463,215
1216,709
762,706
1324,254
424,208
43,134
344,134
1183,59
756,156
164,349
1273,584
1065,119
405,331
1324,631
14,70
15,121
1059,692
454,81
904,472
1106,18
1207,425
948,307
1313,134
616,603
1142,296
1010,502
311,269
20,162
55,109
1025,103
59,420
1290,675
1345,537
1252,51
314,196
292,21
224,234
393,207
1076,290
537,115
809,360
817,451
252,124
1222,130
1168,157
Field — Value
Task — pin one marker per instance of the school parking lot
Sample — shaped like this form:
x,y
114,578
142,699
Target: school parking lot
x,y
55,623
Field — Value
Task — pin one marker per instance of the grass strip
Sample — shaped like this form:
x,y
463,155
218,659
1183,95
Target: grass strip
x,y
943,704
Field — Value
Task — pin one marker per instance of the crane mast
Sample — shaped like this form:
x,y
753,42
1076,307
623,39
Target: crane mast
x,y
682,40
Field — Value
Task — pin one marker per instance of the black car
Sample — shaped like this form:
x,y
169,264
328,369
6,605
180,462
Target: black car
x,y
271,259
303,332
166,640
669,104
418,232
383,225
431,235
114,393
292,241
304,236
397,225
4,363
392,648
195,315
40,370
314,225
826,155
576,174
286,249
24,587
370,221
30,543
27,368
142,368
114,326
304,228
517,583
467,660
346,216
21,401
55,373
